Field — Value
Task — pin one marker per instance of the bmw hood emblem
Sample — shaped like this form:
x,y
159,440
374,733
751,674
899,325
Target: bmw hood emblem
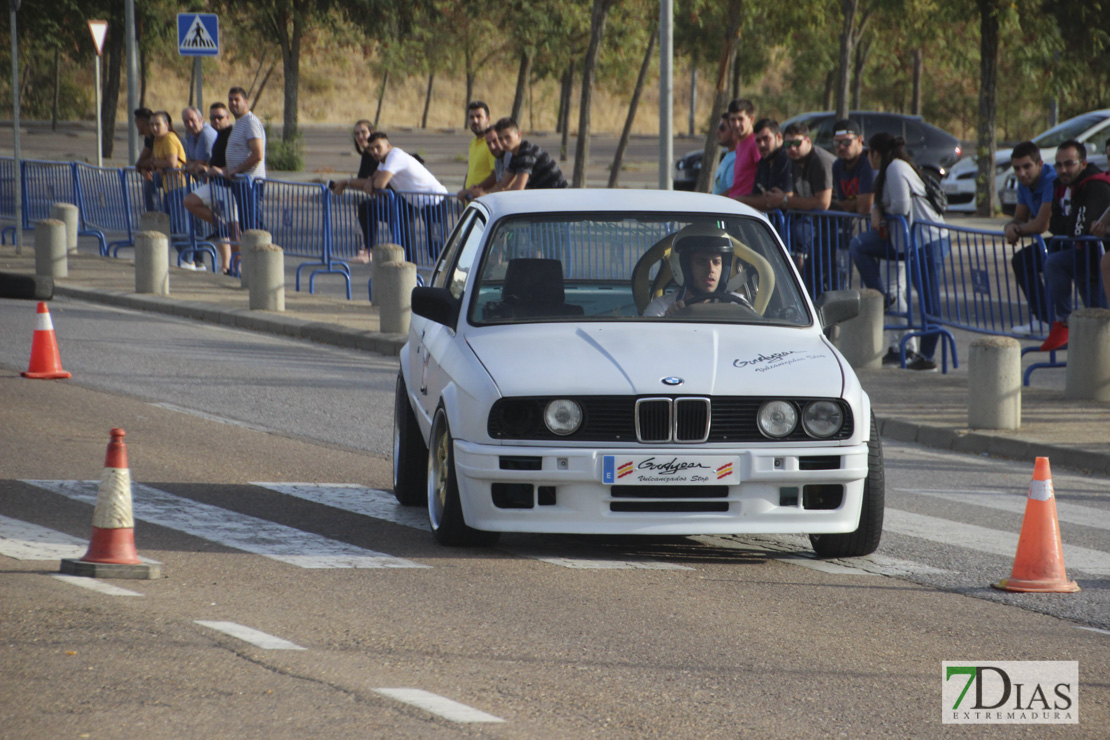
x,y
673,381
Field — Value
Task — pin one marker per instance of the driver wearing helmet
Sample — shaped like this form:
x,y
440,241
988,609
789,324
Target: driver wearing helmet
x,y
700,259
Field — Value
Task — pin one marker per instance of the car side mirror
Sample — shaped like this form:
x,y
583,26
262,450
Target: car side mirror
x,y
436,304
834,306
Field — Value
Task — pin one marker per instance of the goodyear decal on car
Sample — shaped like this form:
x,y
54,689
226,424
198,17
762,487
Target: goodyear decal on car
x,y
668,469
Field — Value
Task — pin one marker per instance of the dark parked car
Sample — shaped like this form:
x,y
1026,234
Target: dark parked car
x,y
932,148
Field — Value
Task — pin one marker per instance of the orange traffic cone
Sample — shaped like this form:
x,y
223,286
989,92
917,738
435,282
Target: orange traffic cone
x,y
45,362
111,551
1039,563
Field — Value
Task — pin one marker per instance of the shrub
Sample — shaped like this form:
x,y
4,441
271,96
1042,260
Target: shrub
x,y
282,155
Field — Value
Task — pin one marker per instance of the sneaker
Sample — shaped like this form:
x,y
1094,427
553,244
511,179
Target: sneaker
x,y
920,364
1057,338
188,266
1036,326
892,357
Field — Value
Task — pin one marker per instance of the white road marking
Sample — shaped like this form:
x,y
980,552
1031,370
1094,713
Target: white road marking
x,y
248,634
94,585
243,532
982,539
825,566
26,541
356,499
439,705
1014,502
213,417
1095,629
383,505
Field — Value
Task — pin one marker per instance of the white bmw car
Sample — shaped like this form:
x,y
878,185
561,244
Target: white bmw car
x,y
574,366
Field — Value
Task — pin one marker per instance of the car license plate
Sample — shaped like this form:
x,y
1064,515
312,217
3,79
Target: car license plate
x,y
952,188
664,470
1009,197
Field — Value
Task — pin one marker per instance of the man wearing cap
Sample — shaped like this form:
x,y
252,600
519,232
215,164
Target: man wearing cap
x,y
774,172
853,178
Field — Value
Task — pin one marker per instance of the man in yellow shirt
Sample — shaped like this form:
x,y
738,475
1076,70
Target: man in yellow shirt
x,y
480,161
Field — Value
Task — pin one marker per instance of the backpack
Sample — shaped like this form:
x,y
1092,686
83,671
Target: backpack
x,y
934,193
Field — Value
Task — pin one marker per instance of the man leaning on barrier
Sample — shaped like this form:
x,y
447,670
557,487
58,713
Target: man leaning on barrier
x,y
421,192
215,193
1036,182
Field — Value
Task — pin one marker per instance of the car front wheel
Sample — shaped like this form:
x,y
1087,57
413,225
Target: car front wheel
x,y
444,508
410,467
865,540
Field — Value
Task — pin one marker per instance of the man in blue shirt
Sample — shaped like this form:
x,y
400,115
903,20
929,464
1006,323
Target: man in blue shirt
x,y
1036,181
199,138
722,180
853,178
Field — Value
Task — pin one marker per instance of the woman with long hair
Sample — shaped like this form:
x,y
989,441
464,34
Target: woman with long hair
x,y
168,158
899,191
366,169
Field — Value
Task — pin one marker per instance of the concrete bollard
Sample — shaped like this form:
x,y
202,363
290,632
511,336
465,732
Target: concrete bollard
x,y
155,221
152,263
68,214
994,384
267,280
393,296
1088,372
383,254
51,259
861,338
251,239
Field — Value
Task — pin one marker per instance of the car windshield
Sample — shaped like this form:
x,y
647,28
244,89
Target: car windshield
x,y
560,267
1069,129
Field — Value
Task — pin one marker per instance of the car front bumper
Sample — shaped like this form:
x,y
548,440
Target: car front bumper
x,y
567,494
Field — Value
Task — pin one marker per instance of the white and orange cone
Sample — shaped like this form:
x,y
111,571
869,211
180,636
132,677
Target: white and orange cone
x,y
45,361
111,552
1039,563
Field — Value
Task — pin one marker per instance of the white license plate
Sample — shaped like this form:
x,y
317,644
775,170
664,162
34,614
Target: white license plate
x,y
668,470
1009,197
952,188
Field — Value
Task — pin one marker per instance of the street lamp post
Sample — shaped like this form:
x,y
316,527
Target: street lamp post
x,y
13,5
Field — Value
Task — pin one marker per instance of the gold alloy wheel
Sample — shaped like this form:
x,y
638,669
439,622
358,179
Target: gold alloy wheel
x,y
438,474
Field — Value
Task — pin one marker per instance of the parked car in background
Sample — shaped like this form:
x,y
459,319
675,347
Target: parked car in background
x,y
932,148
1091,129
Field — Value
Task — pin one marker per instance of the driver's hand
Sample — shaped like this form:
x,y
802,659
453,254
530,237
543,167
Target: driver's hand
x,y
675,307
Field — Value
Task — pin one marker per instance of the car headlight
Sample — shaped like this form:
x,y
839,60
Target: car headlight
x,y
822,419
777,419
562,417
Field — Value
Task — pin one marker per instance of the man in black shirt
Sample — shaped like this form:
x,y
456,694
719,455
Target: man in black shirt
x,y
215,196
528,166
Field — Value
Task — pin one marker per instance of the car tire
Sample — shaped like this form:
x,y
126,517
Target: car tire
x,y
410,454
445,512
865,540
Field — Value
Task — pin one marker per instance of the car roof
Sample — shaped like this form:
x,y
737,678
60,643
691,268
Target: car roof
x,y
606,200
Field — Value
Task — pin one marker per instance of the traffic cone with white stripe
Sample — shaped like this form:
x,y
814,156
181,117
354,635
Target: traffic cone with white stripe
x,y
111,551
45,362
1039,563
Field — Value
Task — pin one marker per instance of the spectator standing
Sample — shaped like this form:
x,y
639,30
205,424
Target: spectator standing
x,y
142,164
900,191
1081,198
812,172
414,183
726,170
366,168
741,116
853,178
527,167
246,149
775,171
1036,183
199,138
480,160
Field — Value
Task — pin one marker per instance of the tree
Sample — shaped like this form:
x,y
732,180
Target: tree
x,y
988,106
724,67
618,158
597,33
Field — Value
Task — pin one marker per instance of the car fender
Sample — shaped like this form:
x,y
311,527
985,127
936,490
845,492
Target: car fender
x,y
466,398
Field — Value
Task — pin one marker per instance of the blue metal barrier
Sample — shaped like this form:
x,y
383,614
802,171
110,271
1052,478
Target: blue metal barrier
x,y
819,241
102,200
422,222
353,220
297,216
7,197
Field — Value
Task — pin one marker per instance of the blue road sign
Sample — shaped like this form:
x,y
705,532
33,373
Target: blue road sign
x,y
198,34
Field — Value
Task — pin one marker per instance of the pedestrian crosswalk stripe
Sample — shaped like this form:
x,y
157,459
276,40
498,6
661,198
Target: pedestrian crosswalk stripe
x,y
240,531
251,635
26,541
94,585
439,705
380,504
983,539
1014,502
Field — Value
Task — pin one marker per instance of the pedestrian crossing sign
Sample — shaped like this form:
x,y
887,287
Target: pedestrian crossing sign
x,y
198,34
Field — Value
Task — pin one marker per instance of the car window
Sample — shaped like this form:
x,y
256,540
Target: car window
x,y
1069,129
450,250
564,267
470,250
915,133
873,124
821,131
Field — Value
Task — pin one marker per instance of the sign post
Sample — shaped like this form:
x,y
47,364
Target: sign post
x,y
198,35
99,30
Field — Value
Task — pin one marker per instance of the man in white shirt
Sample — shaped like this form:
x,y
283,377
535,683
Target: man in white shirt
x,y
417,187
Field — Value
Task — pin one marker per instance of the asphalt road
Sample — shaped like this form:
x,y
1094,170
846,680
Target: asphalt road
x,y
553,636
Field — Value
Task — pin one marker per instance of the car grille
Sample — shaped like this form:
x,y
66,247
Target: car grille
x,y
651,419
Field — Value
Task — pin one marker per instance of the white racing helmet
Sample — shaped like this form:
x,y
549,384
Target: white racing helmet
x,y
700,237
